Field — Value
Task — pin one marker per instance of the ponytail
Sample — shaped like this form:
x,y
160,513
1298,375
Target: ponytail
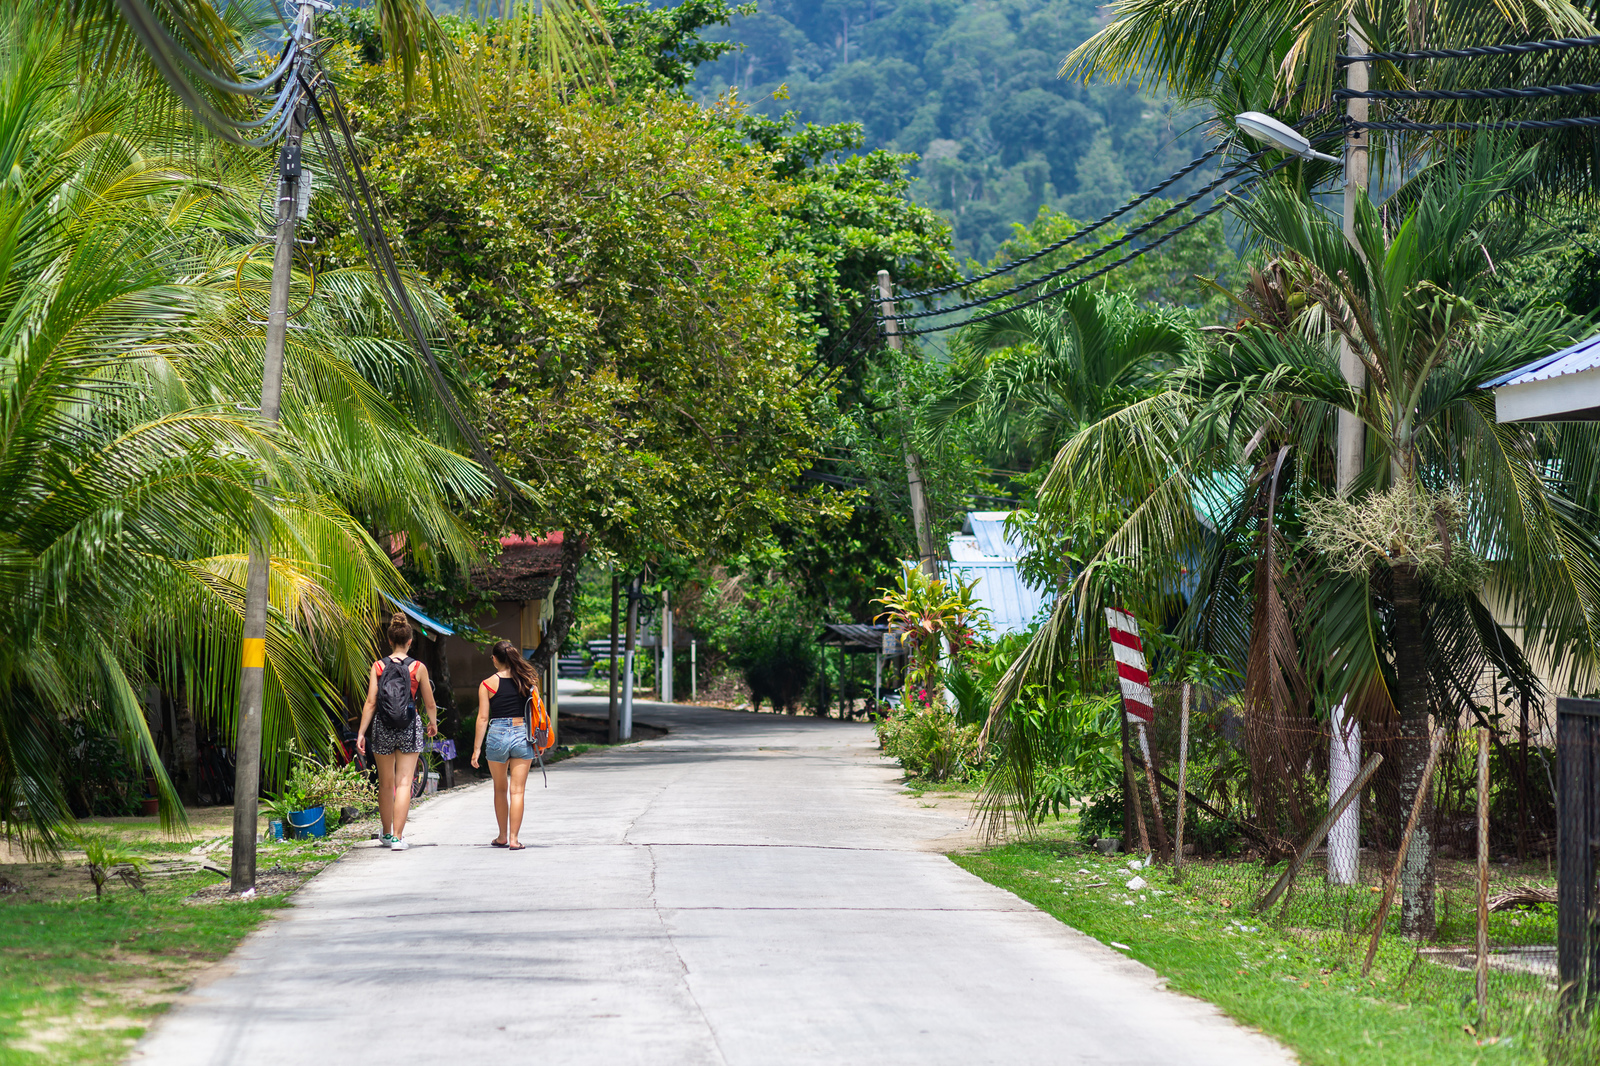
x,y
399,630
522,671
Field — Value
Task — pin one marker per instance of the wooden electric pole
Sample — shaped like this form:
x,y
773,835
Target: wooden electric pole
x,y
252,678
927,554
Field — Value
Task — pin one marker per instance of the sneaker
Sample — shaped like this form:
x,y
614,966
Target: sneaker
x,y
398,845
386,841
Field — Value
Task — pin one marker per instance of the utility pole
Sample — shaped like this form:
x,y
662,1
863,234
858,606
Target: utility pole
x,y
1344,744
613,723
664,682
927,555
634,595
247,746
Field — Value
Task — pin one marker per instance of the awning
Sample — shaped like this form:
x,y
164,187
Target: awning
x,y
854,638
412,611
1563,386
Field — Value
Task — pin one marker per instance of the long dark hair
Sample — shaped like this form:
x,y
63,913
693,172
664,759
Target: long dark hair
x,y
522,671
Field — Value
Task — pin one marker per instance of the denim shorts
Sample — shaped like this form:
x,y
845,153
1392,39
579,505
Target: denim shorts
x,y
506,741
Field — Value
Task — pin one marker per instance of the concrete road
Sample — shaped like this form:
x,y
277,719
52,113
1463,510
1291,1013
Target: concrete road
x,y
749,889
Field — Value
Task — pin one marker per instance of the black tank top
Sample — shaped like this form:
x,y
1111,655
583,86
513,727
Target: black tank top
x,y
506,701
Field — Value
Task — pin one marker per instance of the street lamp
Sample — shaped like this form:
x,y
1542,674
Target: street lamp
x,y
1278,135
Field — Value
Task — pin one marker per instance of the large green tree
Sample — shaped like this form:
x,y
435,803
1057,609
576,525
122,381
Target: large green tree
x,y
628,307
135,470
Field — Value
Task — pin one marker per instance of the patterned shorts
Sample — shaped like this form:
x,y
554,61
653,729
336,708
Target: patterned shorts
x,y
382,740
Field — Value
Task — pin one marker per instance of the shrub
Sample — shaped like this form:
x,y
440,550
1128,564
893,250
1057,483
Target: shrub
x,y
313,784
778,662
930,745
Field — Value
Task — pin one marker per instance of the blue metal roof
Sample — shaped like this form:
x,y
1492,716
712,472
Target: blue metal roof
x,y
1012,605
1585,355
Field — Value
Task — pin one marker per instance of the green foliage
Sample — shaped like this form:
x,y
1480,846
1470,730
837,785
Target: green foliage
x,y
659,48
317,784
107,857
850,217
932,618
778,660
583,242
971,87
931,745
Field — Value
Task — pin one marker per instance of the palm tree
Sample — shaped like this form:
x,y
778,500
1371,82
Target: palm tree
x,y
1445,486
1032,377
1444,481
132,471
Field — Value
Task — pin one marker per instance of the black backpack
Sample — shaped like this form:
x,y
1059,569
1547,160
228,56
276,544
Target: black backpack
x,y
397,707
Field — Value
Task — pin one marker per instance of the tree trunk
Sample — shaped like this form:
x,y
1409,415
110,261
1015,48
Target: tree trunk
x,y
573,548
187,749
1410,666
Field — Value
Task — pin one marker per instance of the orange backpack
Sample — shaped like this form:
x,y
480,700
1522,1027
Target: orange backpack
x,y
540,735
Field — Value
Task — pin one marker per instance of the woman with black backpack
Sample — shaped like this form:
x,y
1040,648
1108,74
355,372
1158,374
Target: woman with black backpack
x,y
397,730
506,701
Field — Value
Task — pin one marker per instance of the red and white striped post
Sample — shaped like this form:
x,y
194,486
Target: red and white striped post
x,y
1137,701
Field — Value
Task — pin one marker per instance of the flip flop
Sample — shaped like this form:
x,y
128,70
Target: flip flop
x,y
496,844
516,847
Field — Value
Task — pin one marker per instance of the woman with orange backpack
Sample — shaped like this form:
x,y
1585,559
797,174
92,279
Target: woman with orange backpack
x,y
391,710
512,715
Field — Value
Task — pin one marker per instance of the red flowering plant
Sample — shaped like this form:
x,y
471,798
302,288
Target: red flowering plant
x,y
931,616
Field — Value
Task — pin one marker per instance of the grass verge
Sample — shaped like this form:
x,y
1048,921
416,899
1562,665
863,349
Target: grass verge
x,y
82,979
1311,998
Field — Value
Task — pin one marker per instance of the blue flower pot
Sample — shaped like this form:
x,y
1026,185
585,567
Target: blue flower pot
x,y
275,830
308,823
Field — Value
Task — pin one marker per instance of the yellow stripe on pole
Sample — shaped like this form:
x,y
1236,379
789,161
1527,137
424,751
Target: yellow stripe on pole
x,y
255,653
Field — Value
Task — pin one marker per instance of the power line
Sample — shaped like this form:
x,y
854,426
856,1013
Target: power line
x,y
1514,124
1088,257
1527,92
1130,257
1077,235
1519,48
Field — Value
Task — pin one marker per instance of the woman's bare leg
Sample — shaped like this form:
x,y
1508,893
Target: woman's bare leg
x,y
497,770
405,768
515,787
385,791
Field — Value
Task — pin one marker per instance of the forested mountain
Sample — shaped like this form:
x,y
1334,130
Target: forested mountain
x,y
971,87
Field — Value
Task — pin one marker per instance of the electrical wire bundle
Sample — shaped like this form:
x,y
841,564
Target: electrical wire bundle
x,y
1233,173
300,85
1342,126
1527,92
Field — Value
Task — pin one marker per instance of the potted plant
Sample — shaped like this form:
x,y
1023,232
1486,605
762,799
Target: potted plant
x,y
277,808
319,787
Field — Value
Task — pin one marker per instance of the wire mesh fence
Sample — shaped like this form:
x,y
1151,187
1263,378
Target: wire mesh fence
x,y
1452,899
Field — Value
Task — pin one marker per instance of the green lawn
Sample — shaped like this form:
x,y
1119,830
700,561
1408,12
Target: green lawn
x,y
81,979
1305,990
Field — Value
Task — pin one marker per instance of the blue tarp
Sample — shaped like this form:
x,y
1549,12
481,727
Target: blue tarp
x,y
414,612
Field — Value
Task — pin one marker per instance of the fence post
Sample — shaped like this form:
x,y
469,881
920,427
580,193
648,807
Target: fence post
x,y
1344,762
1577,834
1483,876
1405,843
1183,779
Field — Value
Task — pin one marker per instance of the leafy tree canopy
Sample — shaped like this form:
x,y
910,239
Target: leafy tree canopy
x,y
627,306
